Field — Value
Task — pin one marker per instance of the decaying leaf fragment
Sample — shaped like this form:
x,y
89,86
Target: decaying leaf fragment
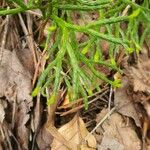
x,y
139,78
124,102
15,81
140,75
75,132
115,135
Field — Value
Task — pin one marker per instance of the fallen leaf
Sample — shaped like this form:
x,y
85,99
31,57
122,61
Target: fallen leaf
x,y
110,143
44,139
75,132
15,81
140,74
116,135
48,131
141,77
124,102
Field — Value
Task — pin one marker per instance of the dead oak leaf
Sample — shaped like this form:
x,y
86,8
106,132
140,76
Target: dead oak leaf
x,y
116,135
75,132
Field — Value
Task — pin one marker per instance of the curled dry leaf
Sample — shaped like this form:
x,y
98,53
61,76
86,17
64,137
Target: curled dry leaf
x,y
114,134
75,132
124,102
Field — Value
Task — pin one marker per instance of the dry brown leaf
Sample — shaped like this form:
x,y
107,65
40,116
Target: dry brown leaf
x,y
124,102
140,75
48,131
44,139
15,83
110,143
116,135
75,132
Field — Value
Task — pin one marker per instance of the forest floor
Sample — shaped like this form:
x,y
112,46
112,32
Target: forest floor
x,y
116,118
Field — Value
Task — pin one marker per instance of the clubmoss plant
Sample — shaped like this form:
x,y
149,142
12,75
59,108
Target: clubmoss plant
x,y
65,67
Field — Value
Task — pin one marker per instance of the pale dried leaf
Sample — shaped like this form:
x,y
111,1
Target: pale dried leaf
x,y
84,147
108,143
16,87
116,135
124,102
75,132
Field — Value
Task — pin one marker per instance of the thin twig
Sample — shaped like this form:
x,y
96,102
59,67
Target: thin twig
x,y
124,13
2,132
30,32
29,39
37,68
7,138
104,90
14,109
11,134
35,13
81,106
110,98
4,38
104,118
37,119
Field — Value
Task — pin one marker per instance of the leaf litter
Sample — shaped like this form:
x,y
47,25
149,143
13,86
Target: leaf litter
x,y
75,132
140,75
125,103
115,132
16,88
111,135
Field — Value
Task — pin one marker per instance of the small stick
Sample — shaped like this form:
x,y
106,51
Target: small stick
x,y
103,91
126,9
29,39
35,13
110,98
81,106
4,38
104,118
37,118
